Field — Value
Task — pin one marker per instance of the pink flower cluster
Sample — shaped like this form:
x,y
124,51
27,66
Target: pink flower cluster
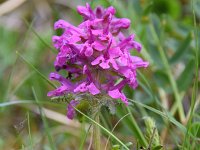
x,y
96,55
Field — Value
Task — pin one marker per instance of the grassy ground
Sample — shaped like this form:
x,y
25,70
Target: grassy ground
x,y
164,110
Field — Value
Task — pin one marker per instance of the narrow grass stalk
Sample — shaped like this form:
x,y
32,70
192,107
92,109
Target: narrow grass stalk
x,y
16,102
37,35
131,123
169,74
44,121
8,88
114,128
187,144
29,131
84,138
165,115
104,129
21,83
176,105
137,129
97,133
35,69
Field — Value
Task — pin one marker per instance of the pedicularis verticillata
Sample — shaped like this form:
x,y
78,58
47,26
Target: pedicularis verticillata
x,y
96,56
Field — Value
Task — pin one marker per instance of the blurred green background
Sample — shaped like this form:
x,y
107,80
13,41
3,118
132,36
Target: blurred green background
x,y
168,88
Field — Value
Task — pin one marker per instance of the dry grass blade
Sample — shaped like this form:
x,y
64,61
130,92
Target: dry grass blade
x,y
9,6
56,116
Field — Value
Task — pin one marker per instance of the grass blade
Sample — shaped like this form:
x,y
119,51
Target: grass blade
x,y
131,123
164,115
169,74
37,35
115,127
187,139
16,102
182,48
84,138
104,129
35,69
45,122
29,131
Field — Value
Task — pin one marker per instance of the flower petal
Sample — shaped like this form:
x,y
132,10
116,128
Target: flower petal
x,y
97,60
93,89
118,24
88,51
116,94
138,62
86,12
105,64
98,46
81,88
96,54
70,109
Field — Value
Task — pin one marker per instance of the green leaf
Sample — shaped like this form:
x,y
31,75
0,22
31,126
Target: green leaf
x,y
116,147
148,8
157,147
182,48
185,78
129,144
168,7
195,130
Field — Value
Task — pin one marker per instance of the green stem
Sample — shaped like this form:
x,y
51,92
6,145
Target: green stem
x,y
96,132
